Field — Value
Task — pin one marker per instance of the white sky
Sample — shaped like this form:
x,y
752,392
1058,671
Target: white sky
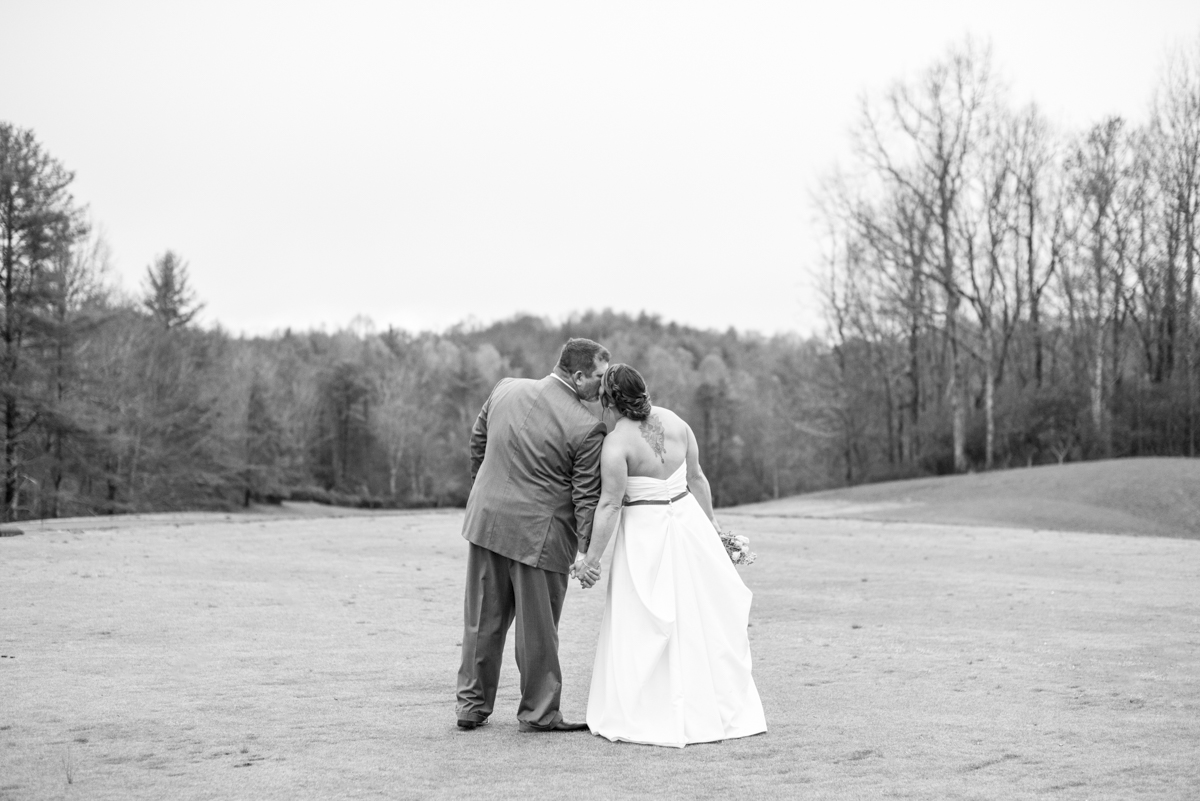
x,y
422,163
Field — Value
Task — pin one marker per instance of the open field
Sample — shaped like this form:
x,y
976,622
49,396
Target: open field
x,y
296,656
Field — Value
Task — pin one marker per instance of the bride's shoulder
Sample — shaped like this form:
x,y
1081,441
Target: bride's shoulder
x,y
668,418
664,413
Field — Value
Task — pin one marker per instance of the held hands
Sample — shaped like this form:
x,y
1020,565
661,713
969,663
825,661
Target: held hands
x,y
587,571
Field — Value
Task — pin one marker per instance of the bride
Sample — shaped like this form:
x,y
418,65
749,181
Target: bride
x,y
673,658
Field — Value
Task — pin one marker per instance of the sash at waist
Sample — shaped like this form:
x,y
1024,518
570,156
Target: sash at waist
x,y
654,502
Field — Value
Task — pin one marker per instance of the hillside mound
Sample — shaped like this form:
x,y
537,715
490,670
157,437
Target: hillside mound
x,y
1146,496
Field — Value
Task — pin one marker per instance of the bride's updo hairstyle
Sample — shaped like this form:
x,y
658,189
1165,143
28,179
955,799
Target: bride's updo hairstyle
x,y
626,391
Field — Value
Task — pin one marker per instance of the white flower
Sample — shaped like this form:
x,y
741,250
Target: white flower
x,y
743,541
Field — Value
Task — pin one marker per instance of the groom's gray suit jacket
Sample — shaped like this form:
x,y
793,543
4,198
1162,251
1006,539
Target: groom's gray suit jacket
x,y
535,461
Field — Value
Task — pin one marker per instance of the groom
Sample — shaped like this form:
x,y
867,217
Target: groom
x,y
535,461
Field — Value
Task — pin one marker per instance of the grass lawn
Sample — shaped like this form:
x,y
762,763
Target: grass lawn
x,y
1139,497
277,656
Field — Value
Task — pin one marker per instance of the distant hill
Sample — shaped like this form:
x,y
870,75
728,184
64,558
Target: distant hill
x,y
1147,496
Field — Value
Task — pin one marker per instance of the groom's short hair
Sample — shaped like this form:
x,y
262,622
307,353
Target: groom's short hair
x,y
581,355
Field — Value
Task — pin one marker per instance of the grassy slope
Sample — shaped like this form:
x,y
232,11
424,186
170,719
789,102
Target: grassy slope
x,y
1152,496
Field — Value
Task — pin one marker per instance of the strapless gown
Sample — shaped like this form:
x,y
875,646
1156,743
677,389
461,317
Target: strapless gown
x,y
673,657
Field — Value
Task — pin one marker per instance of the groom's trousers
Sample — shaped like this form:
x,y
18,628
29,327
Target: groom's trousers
x,y
500,590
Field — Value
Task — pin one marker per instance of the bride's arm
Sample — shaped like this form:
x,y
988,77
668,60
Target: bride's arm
x,y
697,481
614,472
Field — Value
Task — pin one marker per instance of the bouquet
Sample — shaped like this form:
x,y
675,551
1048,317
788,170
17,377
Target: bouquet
x,y
738,548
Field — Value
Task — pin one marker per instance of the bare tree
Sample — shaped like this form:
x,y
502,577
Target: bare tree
x,y
1040,224
921,140
988,225
1176,123
1096,166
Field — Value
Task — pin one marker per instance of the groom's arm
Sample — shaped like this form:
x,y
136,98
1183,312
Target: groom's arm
x,y
478,441
478,444
585,483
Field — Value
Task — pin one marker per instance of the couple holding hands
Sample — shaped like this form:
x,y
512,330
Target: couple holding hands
x,y
553,486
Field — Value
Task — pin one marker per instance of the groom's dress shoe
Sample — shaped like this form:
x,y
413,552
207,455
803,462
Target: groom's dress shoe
x,y
463,723
562,725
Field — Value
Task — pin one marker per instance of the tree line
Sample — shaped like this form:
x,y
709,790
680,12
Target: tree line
x,y
998,292
117,402
1003,292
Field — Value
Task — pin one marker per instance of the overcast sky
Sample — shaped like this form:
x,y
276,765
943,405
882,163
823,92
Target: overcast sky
x,y
426,163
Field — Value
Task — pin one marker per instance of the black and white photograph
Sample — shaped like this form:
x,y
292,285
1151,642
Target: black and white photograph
x,y
444,399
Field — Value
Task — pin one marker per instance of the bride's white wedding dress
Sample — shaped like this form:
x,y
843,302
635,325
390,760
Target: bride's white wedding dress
x,y
673,659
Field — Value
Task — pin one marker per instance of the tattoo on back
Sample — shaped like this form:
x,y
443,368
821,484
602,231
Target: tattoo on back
x,y
652,432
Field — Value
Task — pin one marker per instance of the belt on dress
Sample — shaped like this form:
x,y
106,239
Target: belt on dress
x,y
655,503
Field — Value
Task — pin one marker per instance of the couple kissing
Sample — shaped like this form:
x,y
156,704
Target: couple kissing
x,y
553,486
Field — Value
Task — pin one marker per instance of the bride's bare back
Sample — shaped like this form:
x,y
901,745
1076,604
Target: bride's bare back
x,y
654,447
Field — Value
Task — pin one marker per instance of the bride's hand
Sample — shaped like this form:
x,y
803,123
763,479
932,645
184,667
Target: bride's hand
x,y
587,571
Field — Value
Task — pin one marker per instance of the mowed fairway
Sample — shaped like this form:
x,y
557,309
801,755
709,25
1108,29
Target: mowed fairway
x,y
262,656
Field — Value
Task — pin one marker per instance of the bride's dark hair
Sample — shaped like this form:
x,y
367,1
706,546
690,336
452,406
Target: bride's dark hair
x,y
625,389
